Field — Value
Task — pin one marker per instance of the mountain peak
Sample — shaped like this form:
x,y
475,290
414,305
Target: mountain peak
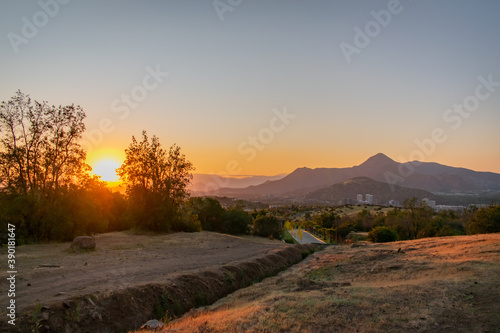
x,y
379,159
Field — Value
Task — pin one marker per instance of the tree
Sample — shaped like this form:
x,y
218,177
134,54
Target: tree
x,y
267,226
156,182
237,221
382,235
210,213
39,149
484,220
45,189
417,216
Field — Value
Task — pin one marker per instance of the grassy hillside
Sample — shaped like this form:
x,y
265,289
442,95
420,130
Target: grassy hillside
x,y
445,284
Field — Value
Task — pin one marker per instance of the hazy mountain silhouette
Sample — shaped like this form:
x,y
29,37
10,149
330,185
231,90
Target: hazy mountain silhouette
x,y
382,192
202,183
432,177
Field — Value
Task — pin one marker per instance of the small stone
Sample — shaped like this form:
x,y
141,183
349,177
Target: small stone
x,y
153,324
96,316
83,243
45,316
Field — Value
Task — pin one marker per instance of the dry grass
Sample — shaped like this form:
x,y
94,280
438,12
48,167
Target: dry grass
x,y
446,284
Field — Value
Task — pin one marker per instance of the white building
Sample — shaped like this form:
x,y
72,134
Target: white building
x,y
369,199
430,203
360,198
394,203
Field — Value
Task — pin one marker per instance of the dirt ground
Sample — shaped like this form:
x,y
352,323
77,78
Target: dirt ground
x,y
449,284
50,273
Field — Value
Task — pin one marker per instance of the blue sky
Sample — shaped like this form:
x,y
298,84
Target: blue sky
x,y
225,77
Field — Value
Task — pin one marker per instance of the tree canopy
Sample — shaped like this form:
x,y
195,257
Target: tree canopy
x,y
156,183
39,147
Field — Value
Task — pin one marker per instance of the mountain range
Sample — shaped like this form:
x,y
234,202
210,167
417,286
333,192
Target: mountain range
x,y
382,192
204,183
428,176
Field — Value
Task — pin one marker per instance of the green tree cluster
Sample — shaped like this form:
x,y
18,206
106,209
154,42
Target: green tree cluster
x,y
213,217
45,189
156,185
484,220
382,235
268,226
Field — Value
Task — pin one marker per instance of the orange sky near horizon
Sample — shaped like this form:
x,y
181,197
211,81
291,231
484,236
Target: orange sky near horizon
x,y
270,163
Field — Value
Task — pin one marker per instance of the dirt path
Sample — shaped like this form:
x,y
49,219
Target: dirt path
x,y
50,273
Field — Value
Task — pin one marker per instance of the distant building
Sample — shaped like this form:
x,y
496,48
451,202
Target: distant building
x,y
446,207
430,203
360,198
394,203
345,201
369,199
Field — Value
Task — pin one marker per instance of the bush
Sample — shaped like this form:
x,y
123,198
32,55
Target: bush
x,y
237,221
382,235
268,226
485,220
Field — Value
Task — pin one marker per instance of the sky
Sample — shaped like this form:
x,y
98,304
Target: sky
x,y
264,87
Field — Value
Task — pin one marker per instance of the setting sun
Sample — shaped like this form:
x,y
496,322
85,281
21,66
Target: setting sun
x,y
104,163
107,170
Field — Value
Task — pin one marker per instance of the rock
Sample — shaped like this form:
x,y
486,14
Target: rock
x,y
153,324
96,316
83,243
45,316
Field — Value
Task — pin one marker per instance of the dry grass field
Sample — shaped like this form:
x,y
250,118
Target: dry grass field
x,y
449,284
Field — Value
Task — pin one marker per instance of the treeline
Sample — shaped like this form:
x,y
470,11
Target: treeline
x,y
412,221
48,194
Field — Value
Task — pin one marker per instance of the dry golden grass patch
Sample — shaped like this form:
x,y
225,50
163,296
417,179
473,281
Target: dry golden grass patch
x,y
446,284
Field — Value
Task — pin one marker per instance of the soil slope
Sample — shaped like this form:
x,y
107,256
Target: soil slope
x,y
123,265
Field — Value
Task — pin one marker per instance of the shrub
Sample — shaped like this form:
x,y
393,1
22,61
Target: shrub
x,y
237,221
382,235
485,220
268,226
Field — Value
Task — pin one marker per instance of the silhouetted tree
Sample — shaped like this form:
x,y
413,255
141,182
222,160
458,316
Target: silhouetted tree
x,y
45,189
156,181
39,149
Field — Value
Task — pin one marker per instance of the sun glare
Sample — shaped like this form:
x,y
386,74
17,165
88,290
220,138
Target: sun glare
x,y
106,168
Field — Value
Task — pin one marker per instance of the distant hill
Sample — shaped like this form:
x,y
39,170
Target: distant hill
x,y
205,183
382,192
432,177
